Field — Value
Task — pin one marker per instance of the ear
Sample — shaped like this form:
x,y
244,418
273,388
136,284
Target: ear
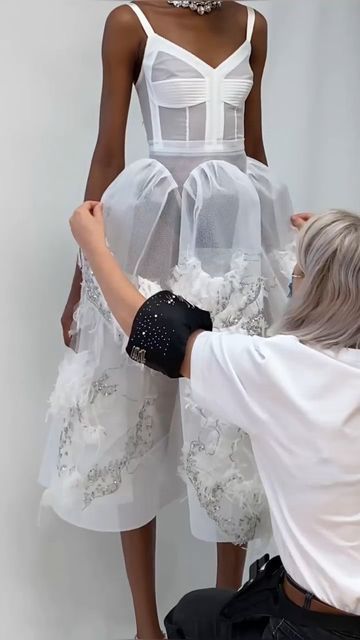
x,y
299,219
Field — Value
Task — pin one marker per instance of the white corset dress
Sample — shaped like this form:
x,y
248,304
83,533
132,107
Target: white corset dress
x,y
201,218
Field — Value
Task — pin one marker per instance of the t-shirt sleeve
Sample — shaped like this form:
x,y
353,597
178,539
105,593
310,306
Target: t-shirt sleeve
x,y
227,375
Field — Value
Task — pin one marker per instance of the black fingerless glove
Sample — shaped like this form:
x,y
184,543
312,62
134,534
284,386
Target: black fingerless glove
x,y
161,330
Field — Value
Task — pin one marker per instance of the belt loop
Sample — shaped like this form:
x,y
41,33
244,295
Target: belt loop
x,y
308,600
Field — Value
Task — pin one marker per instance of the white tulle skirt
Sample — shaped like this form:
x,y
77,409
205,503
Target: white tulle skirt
x,y
122,438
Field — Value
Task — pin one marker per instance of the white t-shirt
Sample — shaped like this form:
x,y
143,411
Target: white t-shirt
x,y
301,408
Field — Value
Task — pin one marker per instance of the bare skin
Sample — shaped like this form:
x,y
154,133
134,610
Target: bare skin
x,y
299,219
212,39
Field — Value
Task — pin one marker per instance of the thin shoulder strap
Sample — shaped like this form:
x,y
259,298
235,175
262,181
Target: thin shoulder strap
x,y
142,19
250,23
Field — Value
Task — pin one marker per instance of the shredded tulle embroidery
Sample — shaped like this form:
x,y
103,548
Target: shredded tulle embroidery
x,y
73,383
219,466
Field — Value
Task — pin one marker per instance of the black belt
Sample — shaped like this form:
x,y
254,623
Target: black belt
x,y
264,597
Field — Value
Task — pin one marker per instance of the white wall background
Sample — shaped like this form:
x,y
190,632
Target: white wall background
x,y
58,582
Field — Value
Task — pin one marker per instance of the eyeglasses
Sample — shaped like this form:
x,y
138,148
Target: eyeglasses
x,y
291,284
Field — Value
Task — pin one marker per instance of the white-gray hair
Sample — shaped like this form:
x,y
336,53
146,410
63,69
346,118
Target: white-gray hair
x,y
326,308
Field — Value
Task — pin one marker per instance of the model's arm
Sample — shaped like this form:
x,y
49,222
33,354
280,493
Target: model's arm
x,y
122,43
254,144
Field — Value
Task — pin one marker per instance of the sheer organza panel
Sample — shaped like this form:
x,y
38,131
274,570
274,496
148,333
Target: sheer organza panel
x,y
143,220
216,215
220,216
233,122
144,100
188,123
241,70
168,67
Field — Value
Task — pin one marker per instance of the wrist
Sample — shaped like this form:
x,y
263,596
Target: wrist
x,y
97,254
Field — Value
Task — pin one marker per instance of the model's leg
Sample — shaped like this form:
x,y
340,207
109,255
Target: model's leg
x,y
230,565
139,552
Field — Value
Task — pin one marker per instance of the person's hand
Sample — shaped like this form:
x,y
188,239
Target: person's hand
x,y
300,219
67,318
88,229
73,300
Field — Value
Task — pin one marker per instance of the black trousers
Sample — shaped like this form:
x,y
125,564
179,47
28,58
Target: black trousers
x,y
259,611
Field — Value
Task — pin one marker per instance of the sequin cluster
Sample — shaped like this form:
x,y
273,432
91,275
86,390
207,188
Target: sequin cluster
x,y
241,313
102,387
75,418
65,441
241,529
235,300
93,292
106,480
236,303
212,464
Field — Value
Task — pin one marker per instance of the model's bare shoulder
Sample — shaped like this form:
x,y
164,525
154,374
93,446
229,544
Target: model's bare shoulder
x,y
122,28
241,11
261,25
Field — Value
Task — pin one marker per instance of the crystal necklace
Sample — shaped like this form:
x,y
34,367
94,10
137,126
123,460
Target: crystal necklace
x,y
200,6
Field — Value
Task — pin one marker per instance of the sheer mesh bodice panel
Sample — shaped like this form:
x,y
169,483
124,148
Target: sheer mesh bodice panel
x,y
189,107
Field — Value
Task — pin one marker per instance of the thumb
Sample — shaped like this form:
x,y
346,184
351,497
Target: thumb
x,y
98,211
89,205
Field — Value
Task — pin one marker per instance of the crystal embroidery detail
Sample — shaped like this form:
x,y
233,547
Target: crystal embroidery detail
x,y
248,497
235,300
93,292
102,387
106,480
103,480
65,441
76,420
220,467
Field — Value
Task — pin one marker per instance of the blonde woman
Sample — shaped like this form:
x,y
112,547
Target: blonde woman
x,y
298,395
